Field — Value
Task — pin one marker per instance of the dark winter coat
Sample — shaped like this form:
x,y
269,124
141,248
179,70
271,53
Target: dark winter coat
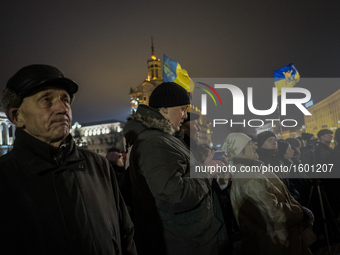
x,y
321,153
174,213
269,157
70,207
269,218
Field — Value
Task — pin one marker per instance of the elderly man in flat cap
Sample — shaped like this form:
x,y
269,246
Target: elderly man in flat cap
x,y
55,198
323,149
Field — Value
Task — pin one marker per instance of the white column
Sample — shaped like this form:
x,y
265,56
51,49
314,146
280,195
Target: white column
x,y
1,133
7,133
13,130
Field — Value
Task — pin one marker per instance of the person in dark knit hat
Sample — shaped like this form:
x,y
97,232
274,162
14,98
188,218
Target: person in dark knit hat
x,y
168,94
264,136
267,148
165,197
307,136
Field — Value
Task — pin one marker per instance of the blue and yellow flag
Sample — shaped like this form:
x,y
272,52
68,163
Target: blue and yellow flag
x,y
286,76
172,72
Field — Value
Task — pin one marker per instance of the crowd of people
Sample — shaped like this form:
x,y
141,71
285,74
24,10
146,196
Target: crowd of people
x,y
57,198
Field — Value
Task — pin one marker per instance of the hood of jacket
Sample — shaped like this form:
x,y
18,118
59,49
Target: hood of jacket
x,y
143,119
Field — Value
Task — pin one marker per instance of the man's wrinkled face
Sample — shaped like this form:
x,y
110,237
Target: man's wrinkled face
x,y
46,114
176,115
326,138
270,143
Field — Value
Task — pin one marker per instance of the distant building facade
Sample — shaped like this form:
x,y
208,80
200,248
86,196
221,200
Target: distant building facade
x,y
325,115
99,136
7,130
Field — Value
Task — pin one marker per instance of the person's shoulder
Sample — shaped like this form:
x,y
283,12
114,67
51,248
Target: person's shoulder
x,y
155,137
88,154
6,160
153,134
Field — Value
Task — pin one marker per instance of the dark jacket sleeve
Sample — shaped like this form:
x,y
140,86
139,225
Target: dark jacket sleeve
x,y
168,176
126,226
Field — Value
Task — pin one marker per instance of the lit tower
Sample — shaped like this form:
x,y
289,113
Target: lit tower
x,y
154,66
141,94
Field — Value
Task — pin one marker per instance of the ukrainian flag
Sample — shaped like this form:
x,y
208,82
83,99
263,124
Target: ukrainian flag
x,y
286,76
172,72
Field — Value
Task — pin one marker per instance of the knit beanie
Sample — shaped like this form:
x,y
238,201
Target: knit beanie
x,y
282,146
306,136
168,94
235,143
293,142
262,137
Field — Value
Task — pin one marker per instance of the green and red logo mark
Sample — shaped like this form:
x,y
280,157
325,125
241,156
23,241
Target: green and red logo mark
x,y
208,92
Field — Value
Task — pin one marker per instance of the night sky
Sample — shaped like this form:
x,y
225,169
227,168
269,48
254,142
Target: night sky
x,y
104,45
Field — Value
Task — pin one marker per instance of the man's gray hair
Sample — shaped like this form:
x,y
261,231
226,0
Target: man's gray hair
x,y
9,100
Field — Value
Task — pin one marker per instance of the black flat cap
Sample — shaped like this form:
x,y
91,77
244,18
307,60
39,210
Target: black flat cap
x,y
324,132
32,77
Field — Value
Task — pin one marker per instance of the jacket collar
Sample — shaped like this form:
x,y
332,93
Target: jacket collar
x,y
35,154
267,152
325,146
145,118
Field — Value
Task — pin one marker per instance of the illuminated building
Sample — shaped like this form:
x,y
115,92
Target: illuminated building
x,y
141,94
325,115
99,136
7,130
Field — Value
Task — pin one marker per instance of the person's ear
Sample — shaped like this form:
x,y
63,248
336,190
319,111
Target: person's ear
x,y
15,117
164,110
